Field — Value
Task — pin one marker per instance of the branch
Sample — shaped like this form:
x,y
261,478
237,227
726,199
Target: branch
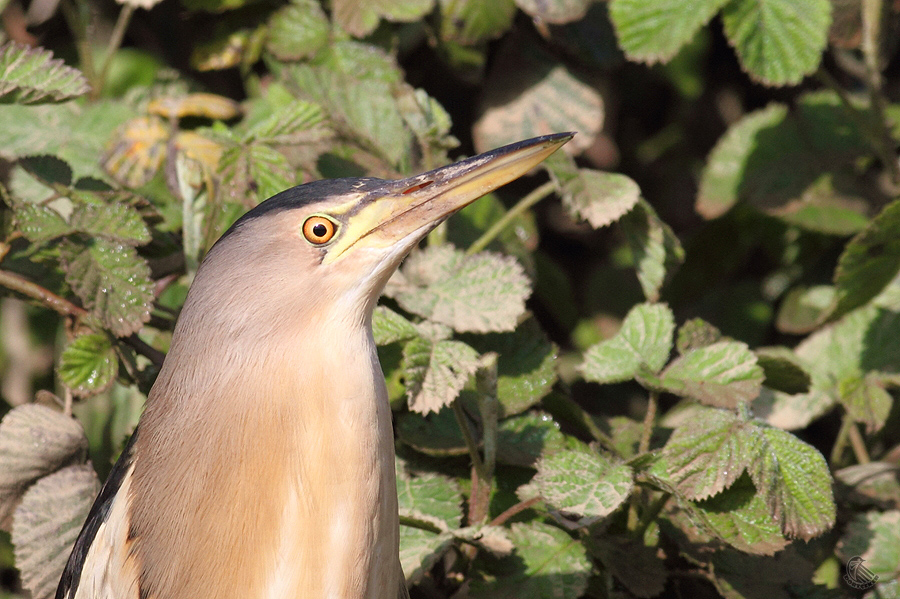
x,y
46,297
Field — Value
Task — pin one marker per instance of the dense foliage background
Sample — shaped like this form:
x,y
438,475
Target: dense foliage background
x,y
664,365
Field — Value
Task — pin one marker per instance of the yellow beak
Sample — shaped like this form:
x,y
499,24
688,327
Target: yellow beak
x,y
407,209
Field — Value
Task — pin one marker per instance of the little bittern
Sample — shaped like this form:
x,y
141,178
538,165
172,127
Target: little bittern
x,y
263,465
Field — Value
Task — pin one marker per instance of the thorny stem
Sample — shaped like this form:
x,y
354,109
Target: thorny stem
x,y
46,297
115,41
524,204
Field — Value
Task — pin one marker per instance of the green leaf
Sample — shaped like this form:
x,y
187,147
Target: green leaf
x,y
40,223
47,169
723,374
433,499
435,434
583,483
522,439
869,262
557,12
655,248
739,516
794,480
112,281
46,524
778,42
707,454
805,308
643,343
526,367
469,22
436,371
656,31
867,401
481,293
788,163
31,75
783,370
34,441
116,222
390,327
294,123
597,197
530,93
89,364
696,333
360,17
874,483
298,30
548,564
874,537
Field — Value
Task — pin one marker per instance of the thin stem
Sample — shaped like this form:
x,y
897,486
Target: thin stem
x,y
420,524
649,419
148,351
858,444
841,442
471,445
651,513
524,204
73,13
44,296
510,512
115,42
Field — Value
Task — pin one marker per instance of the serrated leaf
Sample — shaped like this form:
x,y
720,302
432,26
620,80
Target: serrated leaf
x,y
874,483
47,169
468,22
874,537
723,374
522,439
654,246
285,124
597,197
40,223
435,434
779,161
739,516
583,483
530,93
866,401
112,281
436,372
34,441
778,42
89,364
547,564
46,524
794,480
557,12
390,327
643,343
360,17
298,30
783,370
707,454
526,367
869,261
482,293
31,75
136,151
656,31
431,498
696,333
115,221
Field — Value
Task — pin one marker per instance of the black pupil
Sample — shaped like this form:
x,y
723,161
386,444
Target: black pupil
x,y
320,230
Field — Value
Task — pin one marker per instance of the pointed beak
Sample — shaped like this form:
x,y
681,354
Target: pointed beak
x,y
401,212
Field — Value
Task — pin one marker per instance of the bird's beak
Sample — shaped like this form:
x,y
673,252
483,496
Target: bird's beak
x,y
402,212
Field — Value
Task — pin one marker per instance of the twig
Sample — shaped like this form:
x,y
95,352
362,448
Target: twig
x,y
46,297
858,443
73,13
115,42
649,418
524,204
420,524
148,351
510,512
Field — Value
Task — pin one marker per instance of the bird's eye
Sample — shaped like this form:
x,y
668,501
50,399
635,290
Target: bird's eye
x,y
318,230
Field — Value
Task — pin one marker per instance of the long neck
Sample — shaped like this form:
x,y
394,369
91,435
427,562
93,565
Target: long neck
x,y
266,469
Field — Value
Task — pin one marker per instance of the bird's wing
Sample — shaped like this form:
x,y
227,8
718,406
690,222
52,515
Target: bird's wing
x,y
100,566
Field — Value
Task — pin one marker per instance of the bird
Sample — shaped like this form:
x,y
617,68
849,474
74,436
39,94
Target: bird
x,y
263,465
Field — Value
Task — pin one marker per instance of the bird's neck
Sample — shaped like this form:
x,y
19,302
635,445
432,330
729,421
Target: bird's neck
x,y
297,446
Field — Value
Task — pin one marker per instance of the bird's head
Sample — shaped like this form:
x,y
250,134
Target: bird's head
x,y
327,248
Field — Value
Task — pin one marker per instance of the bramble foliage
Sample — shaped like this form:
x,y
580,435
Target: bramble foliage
x,y
588,401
